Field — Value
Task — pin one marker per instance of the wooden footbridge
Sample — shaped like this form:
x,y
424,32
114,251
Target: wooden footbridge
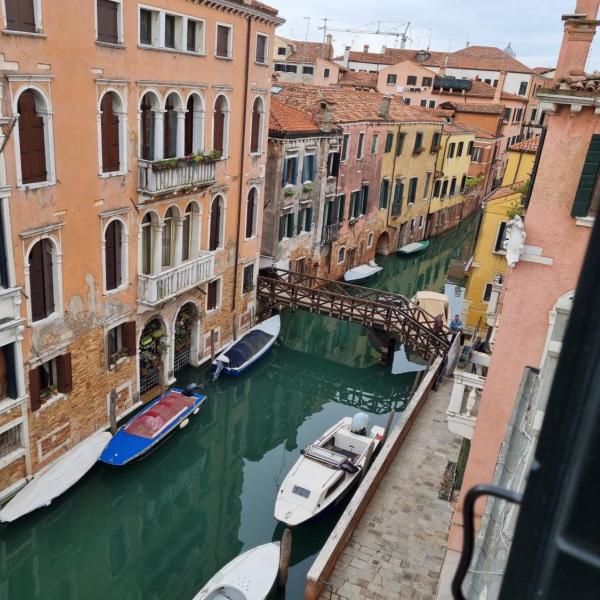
x,y
392,314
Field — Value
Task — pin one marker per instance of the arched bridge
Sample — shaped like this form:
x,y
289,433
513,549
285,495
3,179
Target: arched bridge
x,y
392,314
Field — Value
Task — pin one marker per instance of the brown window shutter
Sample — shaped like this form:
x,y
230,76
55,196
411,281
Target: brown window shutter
x,y
31,140
219,127
108,21
64,373
189,128
110,255
211,300
48,277
215,224
111,161
128,337
20,15
222,41
250,213
255,134
36,283
147,130
35,383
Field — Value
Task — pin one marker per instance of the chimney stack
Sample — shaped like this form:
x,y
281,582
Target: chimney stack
x,y
580,29
366,47
383,49
384,111
500,87
325,117
347,57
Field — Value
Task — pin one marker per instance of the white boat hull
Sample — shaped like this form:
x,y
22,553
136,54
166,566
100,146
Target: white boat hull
x,y
362,272
249,576
57,479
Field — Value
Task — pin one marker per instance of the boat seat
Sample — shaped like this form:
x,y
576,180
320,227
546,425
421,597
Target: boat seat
x,y
346,441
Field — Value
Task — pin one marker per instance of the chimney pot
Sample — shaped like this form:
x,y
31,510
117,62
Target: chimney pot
x,y
384,111
366,47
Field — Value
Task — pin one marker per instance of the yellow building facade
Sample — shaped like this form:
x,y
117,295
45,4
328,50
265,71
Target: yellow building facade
x,y
521,158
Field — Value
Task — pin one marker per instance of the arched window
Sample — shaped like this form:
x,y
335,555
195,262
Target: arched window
x,y
256,130
147,243
220,126
170,135
189,246
109,127
342,254
194,125
168,238
148,105
41,280
113,254
251,206
216,219
32,138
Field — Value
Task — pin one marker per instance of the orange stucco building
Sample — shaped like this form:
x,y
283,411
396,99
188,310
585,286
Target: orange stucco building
x,y
134,153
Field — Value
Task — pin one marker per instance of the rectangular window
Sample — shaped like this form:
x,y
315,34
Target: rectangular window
x,y
359,149
224,41
436,141
533,114
459,149
470,149
488,81
523,88
326,73
364,198
149,27
423,103
291,69
195,36
476,154
418,147
384,191
398,196
444,188
391,79
345,144
411,80
427,81
169,31
308,168
10,440
340,205
451,148
374,144
412,189
400,143
248,281
286,226
308,70
437,186
20,15
290,170
427,183
507,113
487,292
452,187
333,164
121,342
432,104
279,67
304,222
406,101
389,141
212,294
500,237
586,202
262,49
50,378
281,51
463,184
107,15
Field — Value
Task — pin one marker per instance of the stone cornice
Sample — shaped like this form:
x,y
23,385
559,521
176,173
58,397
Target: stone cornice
x,y
243,9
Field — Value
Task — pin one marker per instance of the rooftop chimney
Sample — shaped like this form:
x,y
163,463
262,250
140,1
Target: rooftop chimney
x,y
325,117
580,29
384,110
366,48
347,57
383,49
500,87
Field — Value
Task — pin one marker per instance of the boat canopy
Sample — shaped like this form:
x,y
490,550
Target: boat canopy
x,y
247,347
153,422
432,302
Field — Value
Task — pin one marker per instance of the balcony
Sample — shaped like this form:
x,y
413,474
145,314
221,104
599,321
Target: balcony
x,y
330,233
492,308
451,83
157,178
155,289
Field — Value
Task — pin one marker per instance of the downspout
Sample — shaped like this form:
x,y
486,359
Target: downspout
x,y
518,167
535,166
242,158
389,207
433,182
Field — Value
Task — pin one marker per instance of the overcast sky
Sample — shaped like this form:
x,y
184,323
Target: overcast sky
x,y
534,29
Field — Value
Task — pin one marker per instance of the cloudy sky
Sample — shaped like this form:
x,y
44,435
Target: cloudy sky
x,y
534,29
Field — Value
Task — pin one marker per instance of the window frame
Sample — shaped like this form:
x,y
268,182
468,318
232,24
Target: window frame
x,y
341,255
345,150
120,29
412,188
228,26
499,238
360,147
124,284
38,25
218,281
246,289
123,134
392,79
411,80
265,36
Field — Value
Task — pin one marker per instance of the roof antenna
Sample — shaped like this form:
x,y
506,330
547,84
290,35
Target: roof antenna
x,y
468,43
429,40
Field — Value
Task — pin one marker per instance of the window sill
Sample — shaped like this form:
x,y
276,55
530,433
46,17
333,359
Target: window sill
x,y
224,57
118,46
212,311
585,221
50,401
256,154
170,50
36,186
112,174
261,64
121,288
122,360
24,33
55,316
12,457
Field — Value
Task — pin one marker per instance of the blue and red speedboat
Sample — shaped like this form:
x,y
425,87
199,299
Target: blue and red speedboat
x,y
151,426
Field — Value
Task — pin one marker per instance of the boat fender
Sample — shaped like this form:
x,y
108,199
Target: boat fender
x,y
184,423
196,410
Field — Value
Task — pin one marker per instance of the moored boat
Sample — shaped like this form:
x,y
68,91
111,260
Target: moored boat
x,y
249,576
327,470
435,304
57,479
362,272
413,248
246,350
151,426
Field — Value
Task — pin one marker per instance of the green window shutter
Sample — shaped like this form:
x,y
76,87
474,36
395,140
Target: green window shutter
x,y
282,226
587,181
342,207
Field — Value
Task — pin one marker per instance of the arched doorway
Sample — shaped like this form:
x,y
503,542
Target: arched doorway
x,y
152,353
186,336
383,244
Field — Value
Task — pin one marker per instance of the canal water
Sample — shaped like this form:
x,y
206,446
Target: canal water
x,y
160,528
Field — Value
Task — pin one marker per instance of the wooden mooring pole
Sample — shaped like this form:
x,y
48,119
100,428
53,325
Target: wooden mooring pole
x,y
388,427
284,558
113,411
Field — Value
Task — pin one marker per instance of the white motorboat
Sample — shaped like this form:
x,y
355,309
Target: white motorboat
x,y
362,272
327,470
434,304
58,478
247,349
250,576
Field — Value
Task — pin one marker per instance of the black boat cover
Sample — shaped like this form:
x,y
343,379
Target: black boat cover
x,y
248,346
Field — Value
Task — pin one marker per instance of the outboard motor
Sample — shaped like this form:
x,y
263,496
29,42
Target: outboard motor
x,y
361,424
190,390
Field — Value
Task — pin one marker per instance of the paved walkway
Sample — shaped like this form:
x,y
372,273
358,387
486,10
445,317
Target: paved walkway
x,y
398,548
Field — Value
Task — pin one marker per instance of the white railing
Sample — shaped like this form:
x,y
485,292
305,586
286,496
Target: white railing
x,y
492,308
154,289
153,180
464,403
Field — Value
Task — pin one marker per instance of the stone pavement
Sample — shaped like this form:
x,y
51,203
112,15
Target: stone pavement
x,y
398,548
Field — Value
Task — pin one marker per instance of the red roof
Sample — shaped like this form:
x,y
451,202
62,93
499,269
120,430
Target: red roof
x,y
358,79
531,145
543,70
507,190
287,119
307,52
473,107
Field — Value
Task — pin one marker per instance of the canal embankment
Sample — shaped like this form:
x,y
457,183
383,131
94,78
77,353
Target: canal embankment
x,y
390,541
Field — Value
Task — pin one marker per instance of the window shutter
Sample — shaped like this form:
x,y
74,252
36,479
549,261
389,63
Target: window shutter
x,y
110,255
3,262
48,277
342,207
222,41
31,140
36,283
219,128
189,127
255,133
35,384
351,211
20,15
294,170
118,249
290,225
64,373
282,226
147,130
250,214
128,337
400,143
309,212
215,224
587,180
107,11
283,176
261,46
365,199
301,216
211,297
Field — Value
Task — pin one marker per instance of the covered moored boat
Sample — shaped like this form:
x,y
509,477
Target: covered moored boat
x,y
413,248
362,272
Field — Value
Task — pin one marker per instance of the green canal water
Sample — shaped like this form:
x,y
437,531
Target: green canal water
x,y
160,528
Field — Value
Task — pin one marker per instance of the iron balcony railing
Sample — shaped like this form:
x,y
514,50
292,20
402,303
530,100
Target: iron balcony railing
x,y
154,289
160,177
451,83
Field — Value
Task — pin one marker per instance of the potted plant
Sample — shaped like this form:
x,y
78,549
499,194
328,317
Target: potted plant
x,y
289,192
307,187
418,150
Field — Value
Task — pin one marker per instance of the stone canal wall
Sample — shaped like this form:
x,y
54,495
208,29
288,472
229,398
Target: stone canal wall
x,y
337,541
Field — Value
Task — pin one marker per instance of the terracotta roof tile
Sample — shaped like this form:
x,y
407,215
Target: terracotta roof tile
x,y
543,70
507,190
473,107
307,52
531,145
287,119
353,78
590,84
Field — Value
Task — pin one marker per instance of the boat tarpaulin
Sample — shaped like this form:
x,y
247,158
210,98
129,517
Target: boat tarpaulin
x,y
247,347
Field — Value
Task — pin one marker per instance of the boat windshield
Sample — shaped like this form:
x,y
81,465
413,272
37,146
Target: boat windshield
x,y
333,459
248,346
155,420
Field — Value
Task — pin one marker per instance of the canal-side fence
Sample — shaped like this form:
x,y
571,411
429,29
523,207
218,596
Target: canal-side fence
x,y
391,313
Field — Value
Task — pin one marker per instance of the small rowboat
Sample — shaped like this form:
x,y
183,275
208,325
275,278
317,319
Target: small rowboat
x,y
151,426
413,248
362,272
250,576
58,478
245,351
327,470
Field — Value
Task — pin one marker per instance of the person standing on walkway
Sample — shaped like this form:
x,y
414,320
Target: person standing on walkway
x,y
457,326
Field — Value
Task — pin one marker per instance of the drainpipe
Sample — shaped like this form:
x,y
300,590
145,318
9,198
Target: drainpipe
x,y
389,207
535,166
433,182
242,158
